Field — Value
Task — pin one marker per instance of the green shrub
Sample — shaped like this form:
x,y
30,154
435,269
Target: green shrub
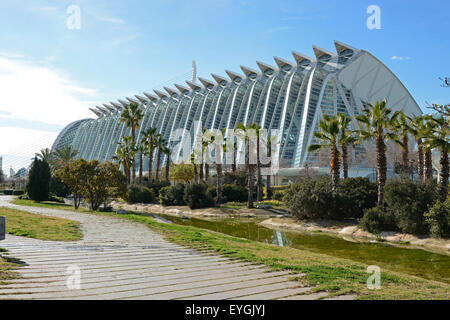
x,y
377,219
438,218
55,198
157,186
408,201
18,192
238,178
311,198
172,195
278,195
235,193
8,192
356,195
196,196
140,194
58,188
315,198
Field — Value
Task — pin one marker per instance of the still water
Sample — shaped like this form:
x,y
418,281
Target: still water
x,y
416,262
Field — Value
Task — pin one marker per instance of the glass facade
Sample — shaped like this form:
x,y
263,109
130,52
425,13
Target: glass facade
x,y
290,98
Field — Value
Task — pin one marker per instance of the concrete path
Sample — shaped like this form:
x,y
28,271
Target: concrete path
x,y
120,259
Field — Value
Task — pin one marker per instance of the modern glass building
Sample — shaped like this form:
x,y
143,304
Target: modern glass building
x,y
291,97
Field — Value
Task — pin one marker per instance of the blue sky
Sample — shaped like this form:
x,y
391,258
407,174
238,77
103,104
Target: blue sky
x,y
53,74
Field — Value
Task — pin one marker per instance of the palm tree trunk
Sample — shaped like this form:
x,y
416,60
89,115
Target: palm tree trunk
x,y
250,177
334,165
259,184
381,167
150,164
201,171
405,157
344,160
168,167
268,187
158,165
219,183
428,165
420,160
140,168
133,139
195,173
443,174
206,171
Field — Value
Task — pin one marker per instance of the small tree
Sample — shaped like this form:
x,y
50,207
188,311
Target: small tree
x,y
38,184
182,172
74,176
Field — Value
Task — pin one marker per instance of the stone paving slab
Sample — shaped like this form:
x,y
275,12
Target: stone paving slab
x,y
120,259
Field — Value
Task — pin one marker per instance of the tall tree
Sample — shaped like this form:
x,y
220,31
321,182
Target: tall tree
x,y
150,142
160,144
328,134
167,152
38,183
378,123
45,154
141,149
250,167
439,139
346,138
131,117
259,184
403,126
64,156
419,130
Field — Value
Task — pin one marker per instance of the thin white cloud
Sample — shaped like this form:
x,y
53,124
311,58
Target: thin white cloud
x,y
400,58
122,40
112,20
275,30
35,92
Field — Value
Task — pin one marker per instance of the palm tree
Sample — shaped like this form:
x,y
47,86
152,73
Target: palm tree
x,y
195,168
149,137
439,138
259,185
346,138
378,124
45,155
160,144
419,131
328,134
430,125
167,152
268,177
404,128
131,117
63,156
220,149
122,157
141,149
205,144
250,166
125,153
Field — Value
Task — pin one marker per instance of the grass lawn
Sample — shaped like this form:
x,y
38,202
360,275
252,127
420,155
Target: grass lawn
x,y
31,225
335,275
7,267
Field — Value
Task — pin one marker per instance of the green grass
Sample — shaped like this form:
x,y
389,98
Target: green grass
x,y
25,224
326,273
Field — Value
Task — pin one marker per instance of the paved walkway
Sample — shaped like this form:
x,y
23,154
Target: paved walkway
x,y
120,259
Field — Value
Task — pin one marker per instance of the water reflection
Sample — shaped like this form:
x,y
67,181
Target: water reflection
x,y
417,262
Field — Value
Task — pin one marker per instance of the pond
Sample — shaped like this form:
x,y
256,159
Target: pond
x,y
412,261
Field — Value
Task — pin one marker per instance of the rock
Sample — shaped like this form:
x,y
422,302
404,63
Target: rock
x,y
121,211
264,206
